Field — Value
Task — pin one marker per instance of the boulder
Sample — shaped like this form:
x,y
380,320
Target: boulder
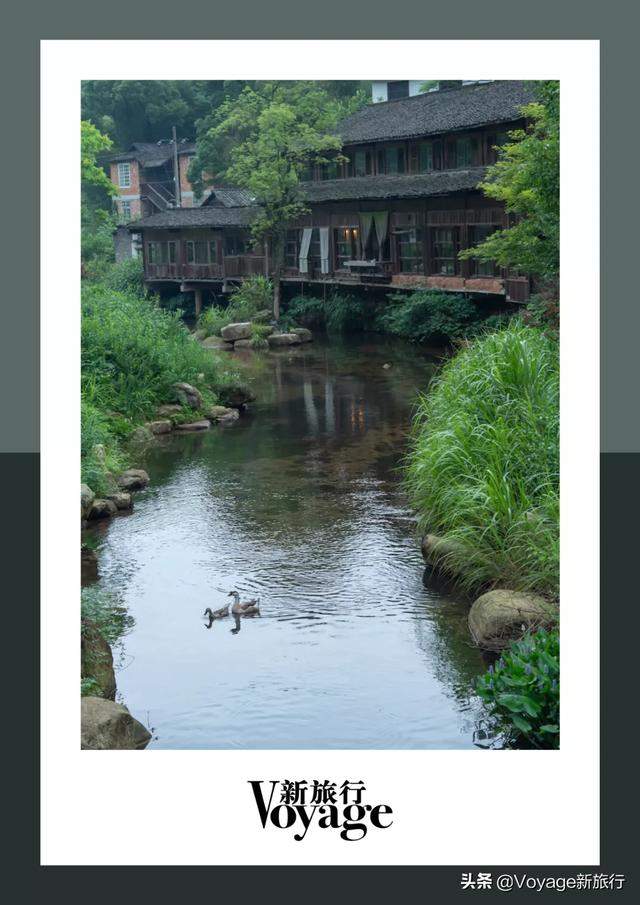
x,y
188,395
121,498
88,565
262,317
171,408
198,335
436,549
217,343
202,425
232,332
96,659
133,479
501,616
305,335
157,428
283,339
236,396
87,496
101,509
141,434
106,725
243,344
222,413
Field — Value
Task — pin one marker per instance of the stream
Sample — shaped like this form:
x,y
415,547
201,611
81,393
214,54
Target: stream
x,y
300,503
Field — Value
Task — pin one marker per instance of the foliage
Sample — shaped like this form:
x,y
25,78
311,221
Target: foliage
x,y
99,450
126,276
523,690
105,611
97,224
259,333
527,179
90,686
92,144
543,311
432,316
483,464
250,300
340,312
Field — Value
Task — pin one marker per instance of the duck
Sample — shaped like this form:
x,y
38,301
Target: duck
x,y
248,608
217,614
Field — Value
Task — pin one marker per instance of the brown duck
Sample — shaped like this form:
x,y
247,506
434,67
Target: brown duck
x,y
248,608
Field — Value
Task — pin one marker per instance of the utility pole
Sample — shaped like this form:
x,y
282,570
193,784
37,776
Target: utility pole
x,y
176,170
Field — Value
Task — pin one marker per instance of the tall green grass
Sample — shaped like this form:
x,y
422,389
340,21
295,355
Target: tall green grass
x,y
250,300
484,461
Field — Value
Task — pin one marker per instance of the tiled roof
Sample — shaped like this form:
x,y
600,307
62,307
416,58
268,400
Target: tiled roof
x,y
229,197
153,154
436,112
186,217
372,187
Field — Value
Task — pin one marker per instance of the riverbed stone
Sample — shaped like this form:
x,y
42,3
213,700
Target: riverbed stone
x,y
436,550
201,425
236,397
188,395
283,339
500,616
121,498
217,343
306,336
243,344
232,332
162,426
220,413
171,408
87,496
106,725
133,479
88,565
141,434
96,659
102,509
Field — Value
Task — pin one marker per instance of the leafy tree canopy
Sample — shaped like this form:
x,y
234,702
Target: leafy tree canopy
x,y
92,144
527,179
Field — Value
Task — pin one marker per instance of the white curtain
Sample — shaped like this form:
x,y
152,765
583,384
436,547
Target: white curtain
x,y
366,222
381,221
324,249
304,250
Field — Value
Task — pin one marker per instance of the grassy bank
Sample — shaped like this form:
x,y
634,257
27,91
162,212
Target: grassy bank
x,y
483,467
133,351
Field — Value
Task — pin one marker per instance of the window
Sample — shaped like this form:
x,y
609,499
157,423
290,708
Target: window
x,y
477,235
213,252
235,244
329,170
395,160
397,90
363,163
444,247
495,140
347,245
125,211
291,248
161,252
464,152
425,156
314,251
410,257
197,252
124,175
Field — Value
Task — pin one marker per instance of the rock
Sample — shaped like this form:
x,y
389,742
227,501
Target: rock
x,y
222,413
386,366
188,395
305,335
232,332
101,509
500,616
122,499
243,344
133,479
217,343
87,496
96,659
283,339
262,316
106,725
202,425
236,396
99,452
160,427
141,434
171,408
199,335
88,565
436,549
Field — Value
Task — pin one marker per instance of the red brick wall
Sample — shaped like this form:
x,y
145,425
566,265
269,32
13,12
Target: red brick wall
x,y
451,284
134,188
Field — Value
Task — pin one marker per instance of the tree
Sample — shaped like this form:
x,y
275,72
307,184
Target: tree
x,y
96,192
264,140
526,178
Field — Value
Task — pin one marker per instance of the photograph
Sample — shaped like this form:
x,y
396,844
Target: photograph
x,y
320,399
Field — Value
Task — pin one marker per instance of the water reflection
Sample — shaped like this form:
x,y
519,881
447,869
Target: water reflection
x,y
299,503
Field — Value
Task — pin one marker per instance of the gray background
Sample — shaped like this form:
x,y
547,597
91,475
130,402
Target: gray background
x,y
19,67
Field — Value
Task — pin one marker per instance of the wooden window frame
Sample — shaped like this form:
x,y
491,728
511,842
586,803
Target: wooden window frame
x,y
124,166
434,258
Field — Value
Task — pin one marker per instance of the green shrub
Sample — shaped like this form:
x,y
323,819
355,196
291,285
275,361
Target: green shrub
x,y
213,319
339,313
126,276
99,450
522,690
259,333
432,316
248,302
483,464
106,612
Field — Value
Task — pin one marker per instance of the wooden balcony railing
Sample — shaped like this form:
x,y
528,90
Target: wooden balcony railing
x,y
234,266
243,265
